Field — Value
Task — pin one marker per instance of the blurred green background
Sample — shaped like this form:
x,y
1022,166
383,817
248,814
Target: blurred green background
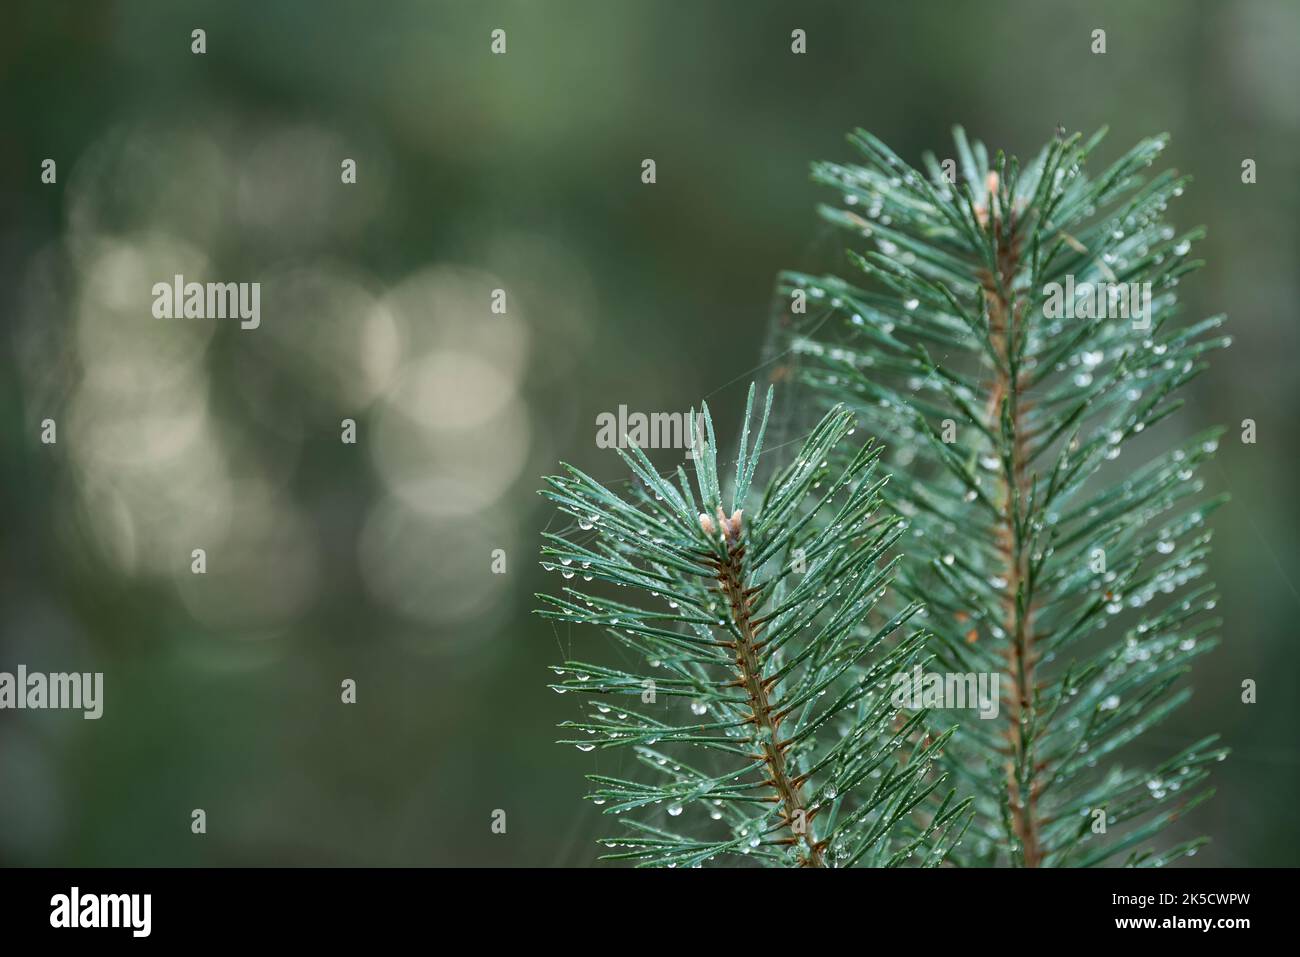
x,y
372,561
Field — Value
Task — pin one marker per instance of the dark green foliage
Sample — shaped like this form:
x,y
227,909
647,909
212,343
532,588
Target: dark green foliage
x,y
760,722
1056,535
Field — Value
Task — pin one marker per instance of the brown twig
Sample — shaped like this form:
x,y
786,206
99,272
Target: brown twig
x,y
789,790
1004,326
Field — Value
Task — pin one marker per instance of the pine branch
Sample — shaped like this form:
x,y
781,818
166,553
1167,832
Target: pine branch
x,y
770,668
975,340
